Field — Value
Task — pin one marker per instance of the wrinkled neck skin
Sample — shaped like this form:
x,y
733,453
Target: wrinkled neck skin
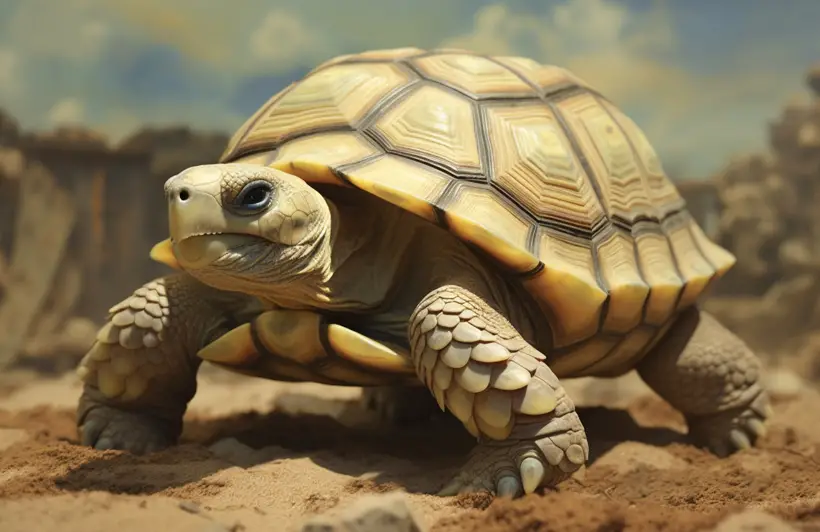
x,y
289,276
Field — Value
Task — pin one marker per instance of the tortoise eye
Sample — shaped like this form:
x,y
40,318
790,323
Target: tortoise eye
x,y
254,197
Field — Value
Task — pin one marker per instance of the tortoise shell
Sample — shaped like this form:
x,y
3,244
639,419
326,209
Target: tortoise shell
x,y
524,161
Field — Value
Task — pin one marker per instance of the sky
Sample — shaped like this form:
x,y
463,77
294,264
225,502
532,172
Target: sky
x,y
702,78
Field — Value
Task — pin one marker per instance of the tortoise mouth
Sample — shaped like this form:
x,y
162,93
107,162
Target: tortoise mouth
x,y
202,249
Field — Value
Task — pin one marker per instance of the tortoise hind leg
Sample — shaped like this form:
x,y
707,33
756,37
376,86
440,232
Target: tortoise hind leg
x,y
480,368
141,372
712,377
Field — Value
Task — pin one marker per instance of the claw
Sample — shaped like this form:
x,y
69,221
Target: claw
x,y
757,427
739,439
508,486
532,473
90,432
450,489
719,448
104,444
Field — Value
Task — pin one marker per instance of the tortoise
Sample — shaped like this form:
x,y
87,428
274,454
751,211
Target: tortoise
x,y
441,228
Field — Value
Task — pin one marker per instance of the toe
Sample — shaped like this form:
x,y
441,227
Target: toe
x,y
105,444
451,488
739,439
757,427
532,473
508,486
90,432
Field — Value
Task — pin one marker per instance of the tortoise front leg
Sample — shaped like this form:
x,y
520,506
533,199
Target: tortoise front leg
x,y
480,368
141,372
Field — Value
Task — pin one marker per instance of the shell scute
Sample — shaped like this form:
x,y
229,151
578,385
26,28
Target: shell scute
x,y
525,161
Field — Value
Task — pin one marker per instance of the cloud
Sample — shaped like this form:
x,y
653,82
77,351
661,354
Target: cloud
x,y
624,53
701,82
220,34
634,58
68,111
283,39
68,30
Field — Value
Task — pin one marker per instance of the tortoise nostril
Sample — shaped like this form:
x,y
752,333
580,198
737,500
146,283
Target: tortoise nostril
x,y
184,194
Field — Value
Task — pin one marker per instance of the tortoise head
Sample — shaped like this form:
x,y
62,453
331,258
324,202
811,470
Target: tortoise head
x,y
245,227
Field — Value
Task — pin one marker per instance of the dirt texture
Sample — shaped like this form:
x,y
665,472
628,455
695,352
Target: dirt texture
x,y
258,455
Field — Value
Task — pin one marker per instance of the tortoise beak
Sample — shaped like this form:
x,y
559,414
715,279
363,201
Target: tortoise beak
x,y
164,252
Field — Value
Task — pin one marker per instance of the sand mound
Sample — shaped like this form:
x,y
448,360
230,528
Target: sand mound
x,y
260,456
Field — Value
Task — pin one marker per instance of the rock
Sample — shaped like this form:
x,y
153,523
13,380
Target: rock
x,y
235,452
783,383
389,512
753,521
627,457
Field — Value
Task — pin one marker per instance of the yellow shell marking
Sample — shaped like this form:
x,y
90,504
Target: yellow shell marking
x,y
429,127
568,288
233,348
569,363
316,154
412,187
693,267
477,216
659,270
367,352
534,163
627,290
433,122
339,95
295,335
544,76
473,75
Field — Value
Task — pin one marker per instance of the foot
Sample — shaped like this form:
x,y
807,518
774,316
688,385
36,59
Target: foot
x,y
732,430
108,428
514,467
140,372
480,368
713,378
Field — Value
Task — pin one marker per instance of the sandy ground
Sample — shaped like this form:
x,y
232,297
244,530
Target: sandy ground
x,y
264,456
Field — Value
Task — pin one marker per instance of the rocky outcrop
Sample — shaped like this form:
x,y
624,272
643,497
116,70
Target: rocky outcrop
x,y
769,218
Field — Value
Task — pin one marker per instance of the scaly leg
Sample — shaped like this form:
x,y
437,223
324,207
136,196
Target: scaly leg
x,y
141,372
712,377
480,368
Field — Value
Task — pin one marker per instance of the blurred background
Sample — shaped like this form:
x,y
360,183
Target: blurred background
x,y
102,100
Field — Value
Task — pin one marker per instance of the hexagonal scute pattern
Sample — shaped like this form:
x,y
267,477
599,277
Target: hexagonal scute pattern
x,y
338,96
477,214
410,185
534,162
618,269
522,159
388,54
617,170
433,123
547,77
322,152
664,195
474,75
694,269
